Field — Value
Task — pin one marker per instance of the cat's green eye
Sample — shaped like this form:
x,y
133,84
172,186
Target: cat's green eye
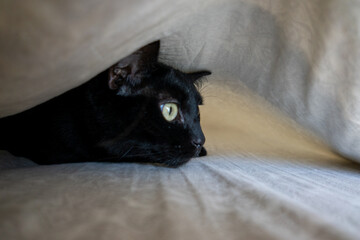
x,y
169,111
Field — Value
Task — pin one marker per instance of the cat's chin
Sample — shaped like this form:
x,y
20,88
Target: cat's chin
x,y
160,155
203,152
173,163
172,160
200,152
168,161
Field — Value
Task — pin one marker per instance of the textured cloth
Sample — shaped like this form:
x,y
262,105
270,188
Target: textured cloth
x,y
282,99
302,56
264,178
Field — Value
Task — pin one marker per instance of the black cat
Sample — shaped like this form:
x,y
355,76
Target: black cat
x,y
139,110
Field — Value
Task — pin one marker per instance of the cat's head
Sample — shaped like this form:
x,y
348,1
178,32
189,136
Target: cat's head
x,y
164,120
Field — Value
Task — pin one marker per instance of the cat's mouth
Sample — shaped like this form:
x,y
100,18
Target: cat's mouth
x,y
197,151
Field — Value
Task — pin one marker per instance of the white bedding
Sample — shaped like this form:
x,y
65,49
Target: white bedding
x,y
281,105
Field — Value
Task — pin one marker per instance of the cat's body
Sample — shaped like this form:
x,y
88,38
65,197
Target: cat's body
x,y
139,111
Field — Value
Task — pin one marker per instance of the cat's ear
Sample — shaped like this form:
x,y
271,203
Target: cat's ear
x,y
195,76
127,74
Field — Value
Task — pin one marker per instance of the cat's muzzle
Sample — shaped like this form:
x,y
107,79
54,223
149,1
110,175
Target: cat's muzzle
x,y
197,150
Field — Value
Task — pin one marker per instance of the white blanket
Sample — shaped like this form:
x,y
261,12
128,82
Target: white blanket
x,y
281,101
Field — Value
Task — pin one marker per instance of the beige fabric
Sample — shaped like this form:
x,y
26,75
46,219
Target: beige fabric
x,y
265,176
48,47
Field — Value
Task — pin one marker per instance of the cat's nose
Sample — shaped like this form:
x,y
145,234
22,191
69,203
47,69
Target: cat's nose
x,y
198,142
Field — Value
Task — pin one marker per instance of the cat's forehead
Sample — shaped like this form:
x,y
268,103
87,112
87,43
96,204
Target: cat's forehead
x,y
181,97
175,85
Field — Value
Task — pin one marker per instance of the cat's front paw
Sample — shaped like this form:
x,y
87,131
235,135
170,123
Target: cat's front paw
x,y
203,152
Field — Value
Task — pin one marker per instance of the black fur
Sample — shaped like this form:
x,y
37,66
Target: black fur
x,y
115,117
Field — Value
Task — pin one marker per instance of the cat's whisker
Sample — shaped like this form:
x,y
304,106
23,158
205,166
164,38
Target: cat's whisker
x,y
207,93
211,96
107,159
145,155
203,87
129,156
127,152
